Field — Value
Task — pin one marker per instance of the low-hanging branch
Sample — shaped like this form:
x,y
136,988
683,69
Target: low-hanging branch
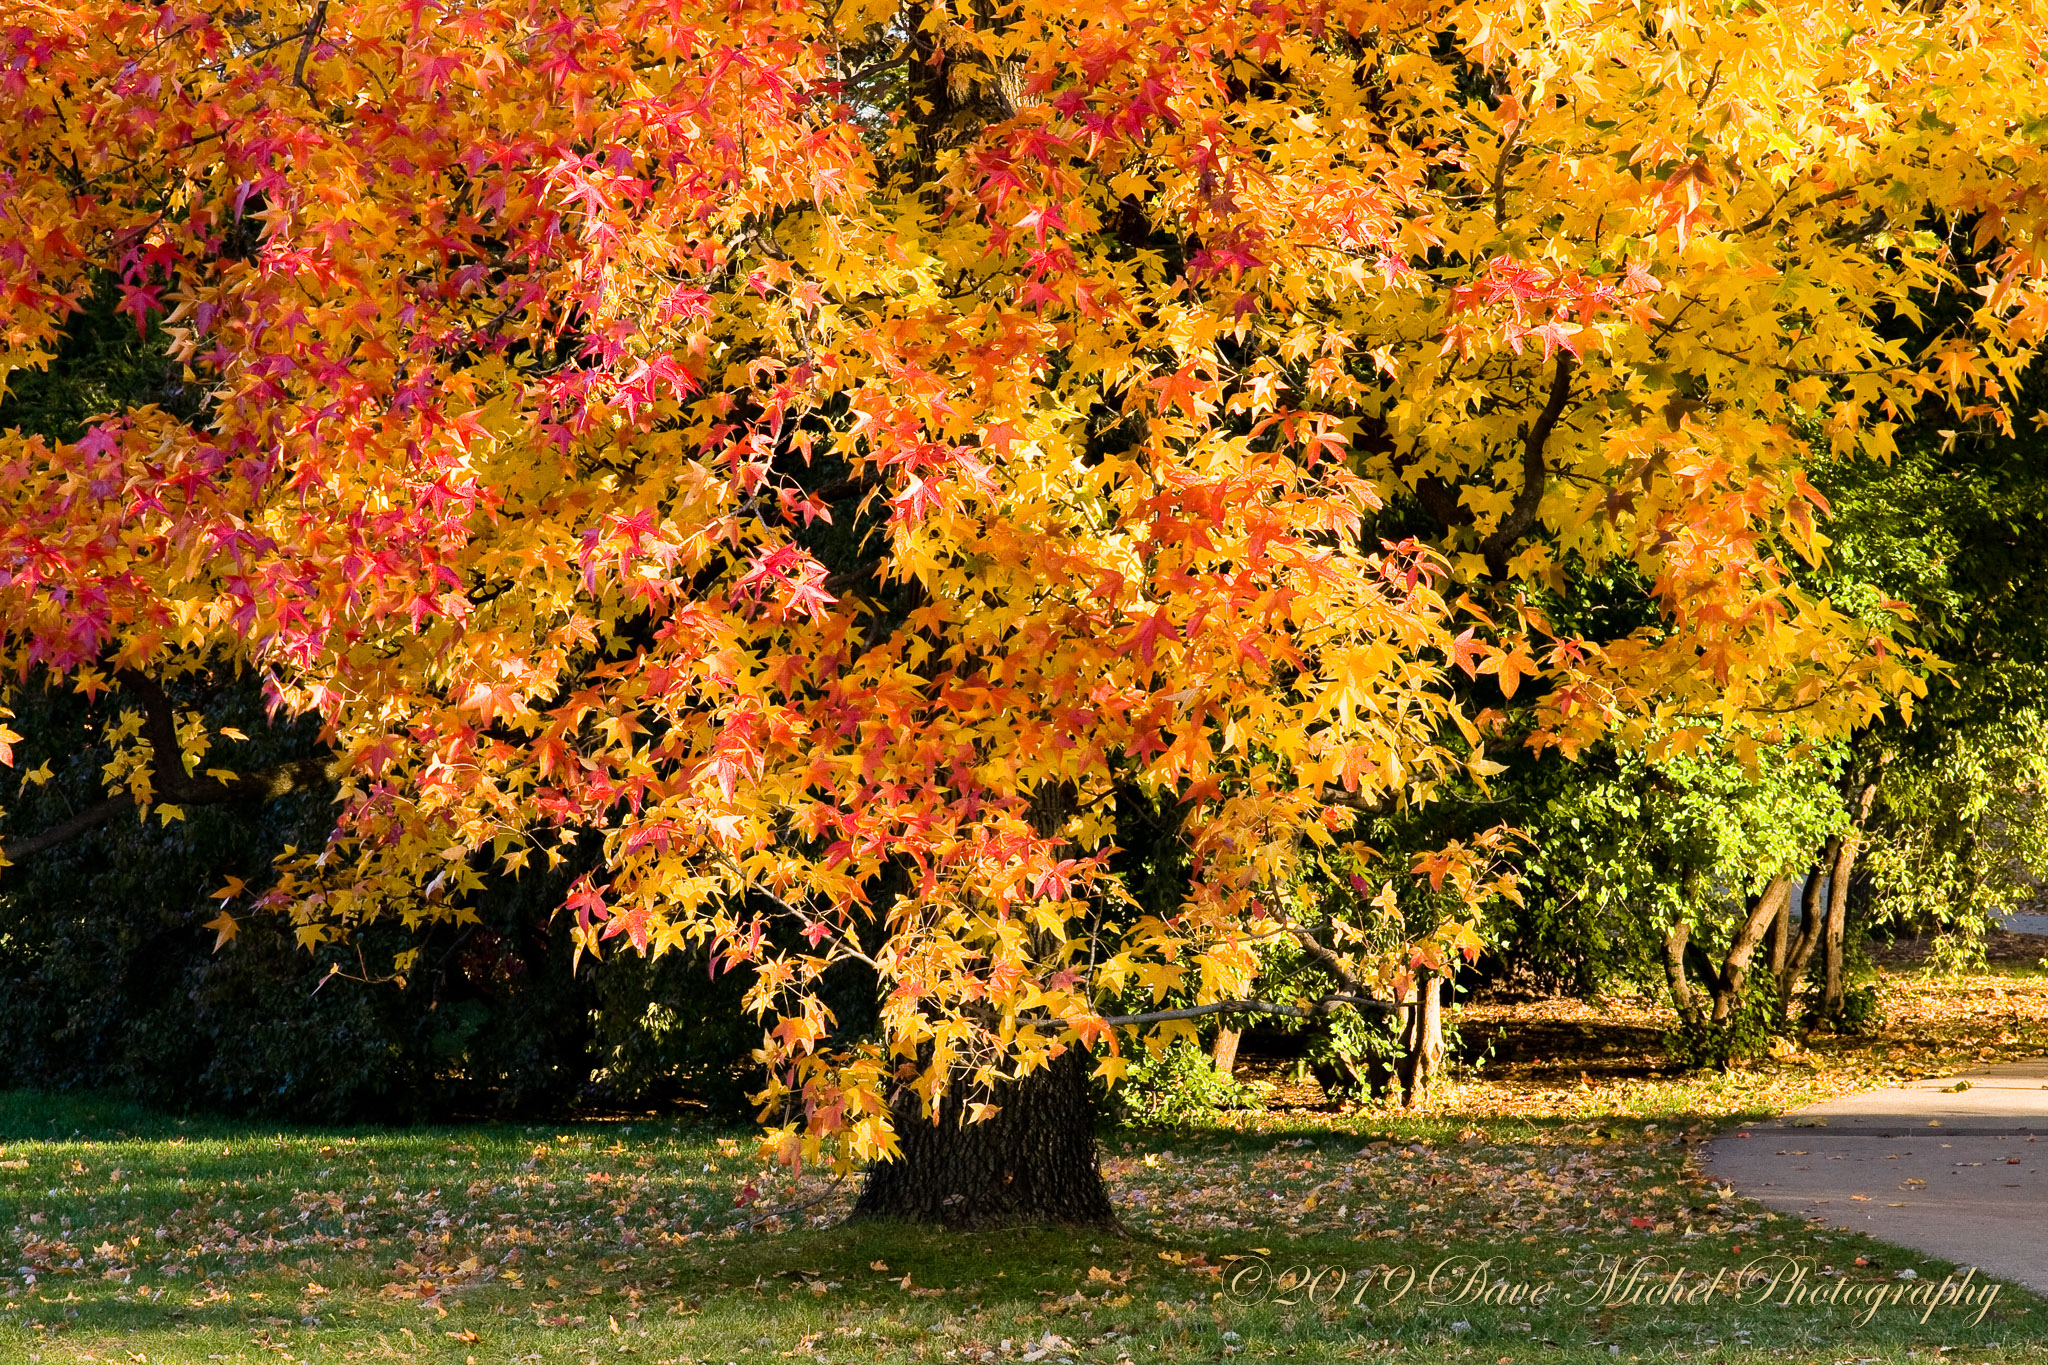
x,y
169,784
268,784
1316,1009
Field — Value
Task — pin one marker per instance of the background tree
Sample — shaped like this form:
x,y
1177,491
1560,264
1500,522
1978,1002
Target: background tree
x,y
539,350
1958,833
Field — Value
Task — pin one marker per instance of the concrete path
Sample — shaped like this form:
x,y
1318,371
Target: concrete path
x,y
1961,1175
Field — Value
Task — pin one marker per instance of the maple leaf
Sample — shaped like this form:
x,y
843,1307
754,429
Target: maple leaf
x,y
1465,649
224,927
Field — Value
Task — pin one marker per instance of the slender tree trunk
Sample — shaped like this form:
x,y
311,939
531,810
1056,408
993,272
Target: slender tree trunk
x,y
1813,914
1781,942
1225,1054
1423,1039
1837,926
1032,1163
1735,967
1676,938
1832,982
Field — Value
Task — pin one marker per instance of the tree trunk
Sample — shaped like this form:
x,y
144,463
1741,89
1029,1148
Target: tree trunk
x,y
1812,914
1832,984
1225,1054
1781,942
1676,939
1032,1162
1735,967
1838,923
1422,1041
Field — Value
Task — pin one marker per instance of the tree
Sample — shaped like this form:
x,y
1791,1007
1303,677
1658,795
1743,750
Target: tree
x,y
1956,828
838,460
1677,873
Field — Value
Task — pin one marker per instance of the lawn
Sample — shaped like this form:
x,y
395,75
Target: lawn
x,y
139,1237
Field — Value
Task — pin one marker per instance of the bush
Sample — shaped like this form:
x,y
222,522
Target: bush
x,y
1699,1043
1861,1012
110,981
1177,1087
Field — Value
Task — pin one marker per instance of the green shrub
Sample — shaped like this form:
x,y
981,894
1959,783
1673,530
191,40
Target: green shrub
x,y
109,979
1699,1043
1178,1087
1861,1012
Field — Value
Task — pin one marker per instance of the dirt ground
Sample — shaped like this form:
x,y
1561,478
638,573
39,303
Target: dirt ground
x,y
1554,1056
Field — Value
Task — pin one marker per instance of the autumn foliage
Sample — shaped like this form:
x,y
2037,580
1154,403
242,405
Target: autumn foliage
x,y
842,457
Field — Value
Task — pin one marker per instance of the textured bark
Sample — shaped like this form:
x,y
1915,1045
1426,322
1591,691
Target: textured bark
x,y
1032,1163
1225,1054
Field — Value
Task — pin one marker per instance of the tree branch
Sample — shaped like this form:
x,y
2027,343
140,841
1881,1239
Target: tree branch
x,y
267,785
311,35
1812,911
169,783
1329,961
1522,516
91,818
168,779
1765,218
1329,1004
1735,967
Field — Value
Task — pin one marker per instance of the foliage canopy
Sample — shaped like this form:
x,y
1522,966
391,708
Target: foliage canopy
x,y
838,458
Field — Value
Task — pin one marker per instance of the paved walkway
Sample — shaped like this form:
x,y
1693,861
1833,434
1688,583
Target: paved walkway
x,y
1961,1175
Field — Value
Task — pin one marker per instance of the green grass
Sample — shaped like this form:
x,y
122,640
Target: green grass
x,y
171,1240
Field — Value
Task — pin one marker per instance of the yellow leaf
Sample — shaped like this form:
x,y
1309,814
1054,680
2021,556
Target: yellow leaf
x,y
224,926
